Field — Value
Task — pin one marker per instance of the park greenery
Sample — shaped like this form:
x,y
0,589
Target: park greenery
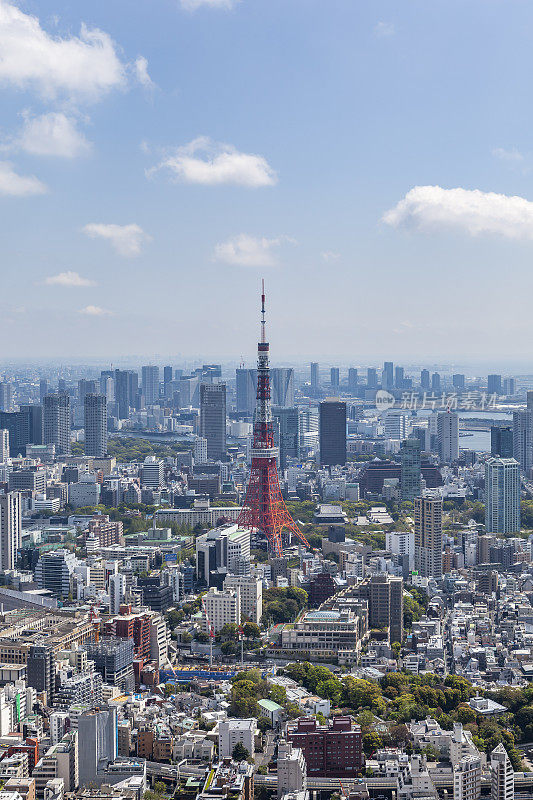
x,y
131,448
283,604
400,697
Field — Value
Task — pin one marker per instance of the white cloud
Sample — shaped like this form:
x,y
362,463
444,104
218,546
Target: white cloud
x,y
507,155
192,5
141,72
126,239
471,211
249,251
329,256
94,311
18,185
52,134
69,279
384,29
210,163
82,66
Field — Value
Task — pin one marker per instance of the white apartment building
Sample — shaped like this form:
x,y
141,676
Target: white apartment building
x,y
292,769
222,608
231,731
467,779
251,593
502,775
401,543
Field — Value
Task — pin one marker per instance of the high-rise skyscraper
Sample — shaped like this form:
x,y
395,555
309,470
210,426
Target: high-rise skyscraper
x,y
352,380
502,495
25,427
56,422
387,375
335,379
167,375
246,388
448,436
315,376
385,604
289,434
458,382
509,386
371,378
150,384
502,775
213,419
332,432
86,387
494,384
424,379
501,442
4,445
435,382
399,378
126,387
282,384
428,536
6,396
523,438
43,389
10,529
411,470
95,410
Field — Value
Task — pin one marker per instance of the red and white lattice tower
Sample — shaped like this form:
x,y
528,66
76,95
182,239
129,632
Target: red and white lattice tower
x,y
264,508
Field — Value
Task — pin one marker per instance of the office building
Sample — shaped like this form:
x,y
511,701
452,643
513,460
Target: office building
x,y
126,391
334,379
353,379
97,731
95,409
435,382
56,422
315,376
292,770
154,595
251,595
387,376
332,432
448,436
502,495
502,775
53,571
217,550
150,384
501,442
509,386
231,731
86,387
385,603
10,530
246,390
522,438
467,779
396,424
494,384
25,427
4,445
282,386
401,543
428,536
331,750
40,668
458,382
289,434
411,469
371,378
117,592
113,658
6,396
168,375
43,389
153,472
399,378
213,419
200,450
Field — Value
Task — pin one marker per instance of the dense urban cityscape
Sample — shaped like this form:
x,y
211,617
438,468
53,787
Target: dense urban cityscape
x,y
266,400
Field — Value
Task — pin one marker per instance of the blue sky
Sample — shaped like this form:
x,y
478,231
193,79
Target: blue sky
x,y
158,162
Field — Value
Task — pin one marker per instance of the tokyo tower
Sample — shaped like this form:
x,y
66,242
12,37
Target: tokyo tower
x,y
264,508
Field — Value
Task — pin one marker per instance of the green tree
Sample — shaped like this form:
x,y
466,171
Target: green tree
x,y
240,753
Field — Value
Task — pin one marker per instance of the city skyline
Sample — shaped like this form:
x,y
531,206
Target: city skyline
x,y
130,175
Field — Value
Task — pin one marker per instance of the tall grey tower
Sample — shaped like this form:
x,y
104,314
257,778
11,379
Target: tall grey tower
x,y
57,422
150,384
213,418
10,529
95,408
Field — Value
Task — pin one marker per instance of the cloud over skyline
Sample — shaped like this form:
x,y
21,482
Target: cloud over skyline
x,y
209,163
69,279
127,240
432,208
